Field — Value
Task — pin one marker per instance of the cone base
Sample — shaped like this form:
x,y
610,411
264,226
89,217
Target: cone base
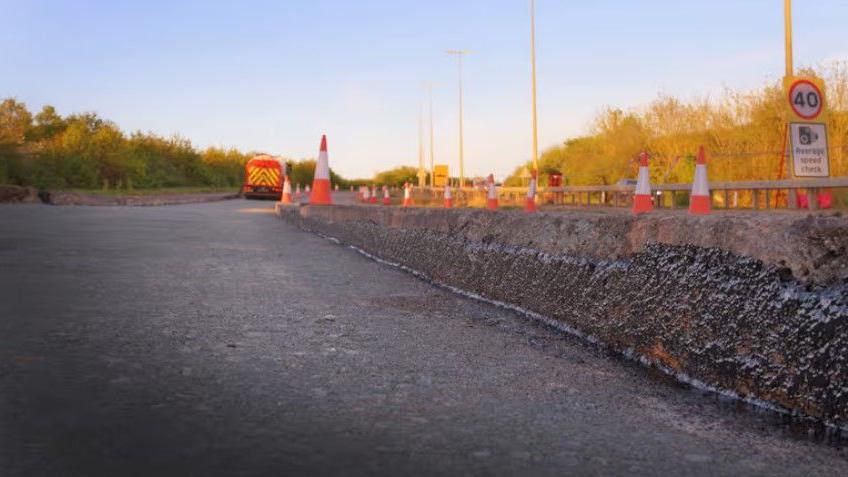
x,y
700,205
387,201
448,204
531,205
492,204
286,199
407,202
320,192
373,200
642,204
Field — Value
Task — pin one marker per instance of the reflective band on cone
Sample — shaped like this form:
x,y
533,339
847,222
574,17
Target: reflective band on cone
x,y
492,197
286,198
700,199
531,195
321,183
407,195
448,198
642,199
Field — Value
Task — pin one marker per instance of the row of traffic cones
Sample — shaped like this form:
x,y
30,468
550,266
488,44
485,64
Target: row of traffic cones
x,y
699,200
369,195
319,193
699,203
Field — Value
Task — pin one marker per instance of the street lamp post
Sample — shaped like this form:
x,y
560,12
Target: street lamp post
x,y
422,176
533,69
459,55
432,152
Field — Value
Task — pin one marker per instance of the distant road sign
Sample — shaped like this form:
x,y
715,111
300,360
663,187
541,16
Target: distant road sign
x,y
809,149
806,99
440,175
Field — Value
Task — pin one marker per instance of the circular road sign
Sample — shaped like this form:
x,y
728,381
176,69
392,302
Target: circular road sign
x,y
806,99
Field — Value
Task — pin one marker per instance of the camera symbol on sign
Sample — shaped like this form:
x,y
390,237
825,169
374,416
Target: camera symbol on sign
x,y
807,136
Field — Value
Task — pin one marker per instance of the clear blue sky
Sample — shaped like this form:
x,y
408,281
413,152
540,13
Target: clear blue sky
x,y
274,75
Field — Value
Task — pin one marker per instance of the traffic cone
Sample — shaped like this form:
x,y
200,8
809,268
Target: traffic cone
x,y
448,197
366,194
699,200
286,198
407,195
387,200
336,187
531,194
321,182
492,197
298,194
642,199
374,195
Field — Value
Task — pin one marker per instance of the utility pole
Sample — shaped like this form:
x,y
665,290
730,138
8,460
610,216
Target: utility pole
x,y
459,55
533,63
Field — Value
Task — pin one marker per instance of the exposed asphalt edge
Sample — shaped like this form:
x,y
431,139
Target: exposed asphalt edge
x,y
779,294
628,354
70,199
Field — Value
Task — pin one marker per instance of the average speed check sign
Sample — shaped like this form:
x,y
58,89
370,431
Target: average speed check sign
x,y
807,127
806,99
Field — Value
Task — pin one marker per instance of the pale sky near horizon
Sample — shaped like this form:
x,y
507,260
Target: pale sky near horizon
x,y
274,75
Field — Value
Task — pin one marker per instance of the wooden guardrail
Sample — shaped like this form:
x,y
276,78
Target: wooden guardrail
x,y
756,194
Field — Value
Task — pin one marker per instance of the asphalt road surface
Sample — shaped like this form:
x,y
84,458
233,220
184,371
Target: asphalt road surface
x,y
213,339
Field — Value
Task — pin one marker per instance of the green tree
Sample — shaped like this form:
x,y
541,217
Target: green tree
x,y
15,121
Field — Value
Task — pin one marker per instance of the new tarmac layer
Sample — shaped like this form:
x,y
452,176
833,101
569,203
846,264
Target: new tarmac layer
x,y
212,339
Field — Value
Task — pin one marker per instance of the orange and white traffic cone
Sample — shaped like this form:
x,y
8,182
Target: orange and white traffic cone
x,y
366,194
448,198
492,195
286,198
642,199
336,187
407,195
387,199
531,194
297,193
321,181
374,195
701,198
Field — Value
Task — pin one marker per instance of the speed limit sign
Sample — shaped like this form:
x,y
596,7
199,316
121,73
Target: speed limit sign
x,y
806,99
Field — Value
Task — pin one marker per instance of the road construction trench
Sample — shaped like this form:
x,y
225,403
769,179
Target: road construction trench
x,y
238,344
705,314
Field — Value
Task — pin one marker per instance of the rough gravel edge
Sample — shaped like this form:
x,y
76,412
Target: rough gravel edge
x,y
627,353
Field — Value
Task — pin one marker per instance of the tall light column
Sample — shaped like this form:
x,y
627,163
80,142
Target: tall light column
x,y
422,176
432,152
533,69
459,55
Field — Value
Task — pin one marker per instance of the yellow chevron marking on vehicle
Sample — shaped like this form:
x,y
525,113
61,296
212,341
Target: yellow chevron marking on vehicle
x,y
264,176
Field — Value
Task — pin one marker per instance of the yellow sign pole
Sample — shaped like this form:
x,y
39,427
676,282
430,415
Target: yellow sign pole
x,y
790,71
787,14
